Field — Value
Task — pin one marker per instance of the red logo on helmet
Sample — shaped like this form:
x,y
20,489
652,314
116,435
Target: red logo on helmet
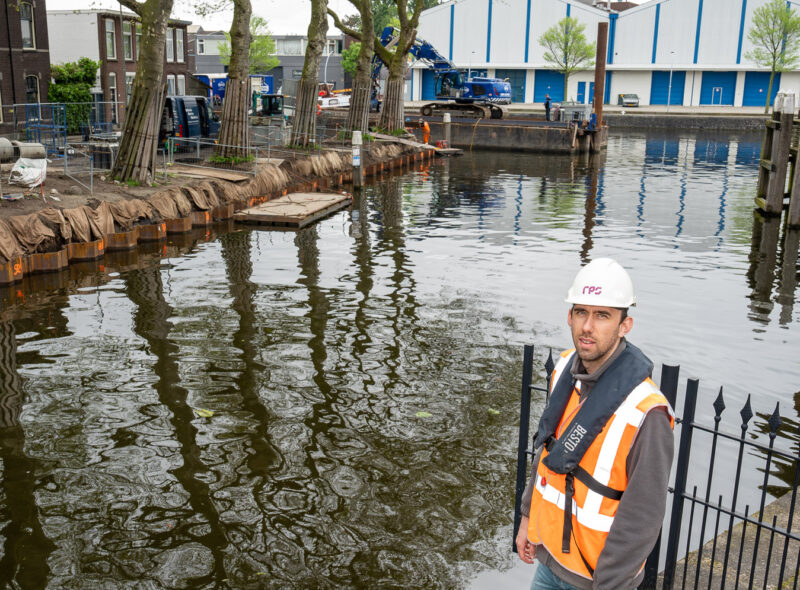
x,y
591,290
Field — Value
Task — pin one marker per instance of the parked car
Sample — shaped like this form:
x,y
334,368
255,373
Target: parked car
x,y
188,116
628,100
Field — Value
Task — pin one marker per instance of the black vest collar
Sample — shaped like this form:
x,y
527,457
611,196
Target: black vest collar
x,y
626,373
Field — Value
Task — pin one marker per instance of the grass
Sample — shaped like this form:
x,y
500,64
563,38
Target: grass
x,y
231,160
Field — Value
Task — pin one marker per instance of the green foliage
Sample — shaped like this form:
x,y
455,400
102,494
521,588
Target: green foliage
x,y
72,84
262,48
775,36
385,13
132,182
350,58
566,48
231,160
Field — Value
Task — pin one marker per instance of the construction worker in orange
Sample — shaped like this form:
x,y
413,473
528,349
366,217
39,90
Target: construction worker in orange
x,y
426,131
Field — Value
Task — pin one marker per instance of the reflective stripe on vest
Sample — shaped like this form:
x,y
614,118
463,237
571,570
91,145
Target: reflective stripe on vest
x,y
606,461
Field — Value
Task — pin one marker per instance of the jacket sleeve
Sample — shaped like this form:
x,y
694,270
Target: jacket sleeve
x,y
641,509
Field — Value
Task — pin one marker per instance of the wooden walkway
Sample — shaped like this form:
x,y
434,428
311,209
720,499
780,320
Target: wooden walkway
x,y
295,210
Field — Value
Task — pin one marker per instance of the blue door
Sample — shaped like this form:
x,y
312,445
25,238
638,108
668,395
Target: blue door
x,y
661,85
548,82
718,88
581,92
517,80
428,85
756,85
591,92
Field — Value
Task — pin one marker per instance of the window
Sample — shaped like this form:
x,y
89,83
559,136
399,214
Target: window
x,y
201,46
330,47
31,89
111,40
170,45
26,21
127,40
170,85
179,44
290,47
138,39
129,78
112,95
181,85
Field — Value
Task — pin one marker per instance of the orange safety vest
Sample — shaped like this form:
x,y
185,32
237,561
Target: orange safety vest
x,y
605,460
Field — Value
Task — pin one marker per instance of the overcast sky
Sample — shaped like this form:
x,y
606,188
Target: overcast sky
x,y
285,17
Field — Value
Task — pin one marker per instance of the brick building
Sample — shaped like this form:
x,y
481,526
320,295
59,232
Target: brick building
x,y
24,56
114,39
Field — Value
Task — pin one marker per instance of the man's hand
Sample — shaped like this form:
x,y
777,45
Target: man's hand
x,y
525,549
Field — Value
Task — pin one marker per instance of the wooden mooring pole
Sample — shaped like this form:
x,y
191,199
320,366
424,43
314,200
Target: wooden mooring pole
x,y
600,72
775,154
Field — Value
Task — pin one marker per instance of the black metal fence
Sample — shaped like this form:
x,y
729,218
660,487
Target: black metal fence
x,y
713,540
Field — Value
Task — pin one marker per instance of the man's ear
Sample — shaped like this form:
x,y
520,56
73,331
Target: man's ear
x,y
625,326
569,317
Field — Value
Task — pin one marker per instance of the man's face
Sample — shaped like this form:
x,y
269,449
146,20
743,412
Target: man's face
x,y
596,332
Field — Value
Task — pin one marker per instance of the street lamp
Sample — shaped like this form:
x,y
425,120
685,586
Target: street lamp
x,y
325,75
669,87
469,68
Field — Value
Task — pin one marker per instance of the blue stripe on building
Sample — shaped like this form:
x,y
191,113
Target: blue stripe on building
x,y
611,34
607,97
452,19
568,7
655,32
741,32
697,34
527,31
489,35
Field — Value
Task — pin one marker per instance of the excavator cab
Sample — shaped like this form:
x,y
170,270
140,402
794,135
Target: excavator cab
x,y
449,84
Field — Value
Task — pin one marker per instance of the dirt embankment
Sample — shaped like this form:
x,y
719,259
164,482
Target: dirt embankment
x,y
64,212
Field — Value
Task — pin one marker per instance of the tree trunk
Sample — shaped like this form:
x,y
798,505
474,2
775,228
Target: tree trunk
x,y
393,113
305,117
360,99
139,145
234,138
769,91
566,86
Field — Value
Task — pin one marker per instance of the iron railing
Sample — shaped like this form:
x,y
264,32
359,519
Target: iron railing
x,y
722,545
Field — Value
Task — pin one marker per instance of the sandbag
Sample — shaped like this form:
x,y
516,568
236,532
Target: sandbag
x,y
103,218
32,233
198,197
28,172
127,213
83,223
164,205
182,203
54,219
9,245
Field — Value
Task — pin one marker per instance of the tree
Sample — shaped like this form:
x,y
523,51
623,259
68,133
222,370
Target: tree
x,y
305,120
775,36
392,114
234,137
72,84
137,151
566,48
358,115
350,58
385,12
262,48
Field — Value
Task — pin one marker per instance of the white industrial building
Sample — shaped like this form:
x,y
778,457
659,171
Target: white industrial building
x,y
690,50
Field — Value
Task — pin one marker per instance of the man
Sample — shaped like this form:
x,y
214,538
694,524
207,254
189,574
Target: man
x,y
426,131
547,107
594,505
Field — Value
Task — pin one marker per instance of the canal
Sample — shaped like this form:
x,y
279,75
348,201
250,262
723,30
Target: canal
x,y
338,407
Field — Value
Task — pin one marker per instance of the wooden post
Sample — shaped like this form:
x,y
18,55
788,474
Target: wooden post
x,y
358,169
778,163
600,72
766,151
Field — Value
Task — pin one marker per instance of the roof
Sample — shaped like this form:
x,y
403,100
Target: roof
x,y
111,12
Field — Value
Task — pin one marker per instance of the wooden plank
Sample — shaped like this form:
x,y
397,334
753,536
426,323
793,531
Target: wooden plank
x,y
294,210
767,165
210,173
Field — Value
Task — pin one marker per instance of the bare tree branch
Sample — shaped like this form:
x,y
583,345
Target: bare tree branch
x,y
133,5
343,27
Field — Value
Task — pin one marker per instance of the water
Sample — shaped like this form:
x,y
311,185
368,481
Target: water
x,y
317,350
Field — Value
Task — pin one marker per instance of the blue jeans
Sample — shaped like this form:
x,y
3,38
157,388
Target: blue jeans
x,y
545,579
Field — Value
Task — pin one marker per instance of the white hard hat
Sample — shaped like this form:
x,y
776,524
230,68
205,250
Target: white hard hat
x,y
602,282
